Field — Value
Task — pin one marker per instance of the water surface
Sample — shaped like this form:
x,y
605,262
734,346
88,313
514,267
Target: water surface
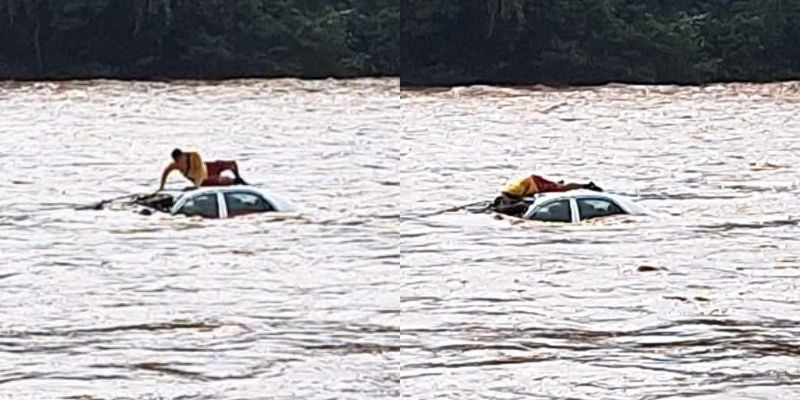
x,y
701,304
363,297
111,304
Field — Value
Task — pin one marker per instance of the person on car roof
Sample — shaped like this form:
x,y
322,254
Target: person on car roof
x,y
201,173
511,200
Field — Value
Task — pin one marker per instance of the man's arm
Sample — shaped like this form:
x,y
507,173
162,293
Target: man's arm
x,y
165,174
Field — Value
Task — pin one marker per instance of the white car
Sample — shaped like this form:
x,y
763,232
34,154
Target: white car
x,y
227,202
581,205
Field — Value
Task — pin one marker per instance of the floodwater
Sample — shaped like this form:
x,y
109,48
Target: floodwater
x,y
701,304
365,295
115,305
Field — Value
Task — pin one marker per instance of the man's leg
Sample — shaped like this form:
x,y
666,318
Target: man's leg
x,y
215,170
574,186
217,181
545,185
570,186
234,167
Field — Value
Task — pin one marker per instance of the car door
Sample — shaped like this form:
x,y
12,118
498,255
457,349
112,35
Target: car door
x,y
589,208
554,211
203,205
244,203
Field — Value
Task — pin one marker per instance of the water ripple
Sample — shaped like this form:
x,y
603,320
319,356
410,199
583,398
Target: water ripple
x,y
699,303
112,304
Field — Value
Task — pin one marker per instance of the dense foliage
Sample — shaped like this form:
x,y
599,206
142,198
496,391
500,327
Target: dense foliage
x,y
597,41
443,41
198,38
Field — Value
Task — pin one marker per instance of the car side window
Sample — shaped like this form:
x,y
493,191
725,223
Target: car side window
x,y
205,206
241,203
557,211
595,208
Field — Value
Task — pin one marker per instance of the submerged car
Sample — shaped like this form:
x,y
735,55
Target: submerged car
x,y
579,205
219,202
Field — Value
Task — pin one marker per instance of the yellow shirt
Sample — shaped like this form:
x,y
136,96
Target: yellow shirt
x,y
196,170
521,187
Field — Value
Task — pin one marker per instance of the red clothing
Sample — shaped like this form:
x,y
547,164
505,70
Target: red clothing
x,y
544,185
215,169
530,185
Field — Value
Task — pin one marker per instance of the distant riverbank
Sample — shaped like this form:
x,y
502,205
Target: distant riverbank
x,y
214,39
522,42
427,43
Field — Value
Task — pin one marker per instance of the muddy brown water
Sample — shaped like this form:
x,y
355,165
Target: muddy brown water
x,y
702,303
361,296
114,305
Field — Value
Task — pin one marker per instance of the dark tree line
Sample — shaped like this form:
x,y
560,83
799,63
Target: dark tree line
x,y
198,38
425,42
597,41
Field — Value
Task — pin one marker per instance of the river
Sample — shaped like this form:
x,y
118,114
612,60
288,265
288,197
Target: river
x,y
362,296
701,304
115,305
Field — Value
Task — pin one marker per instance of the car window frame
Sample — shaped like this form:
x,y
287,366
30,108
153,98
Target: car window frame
x,y
220,213
572,208
223,195
608,200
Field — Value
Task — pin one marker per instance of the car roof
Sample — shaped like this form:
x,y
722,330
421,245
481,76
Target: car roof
x,y
577,194
223,189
